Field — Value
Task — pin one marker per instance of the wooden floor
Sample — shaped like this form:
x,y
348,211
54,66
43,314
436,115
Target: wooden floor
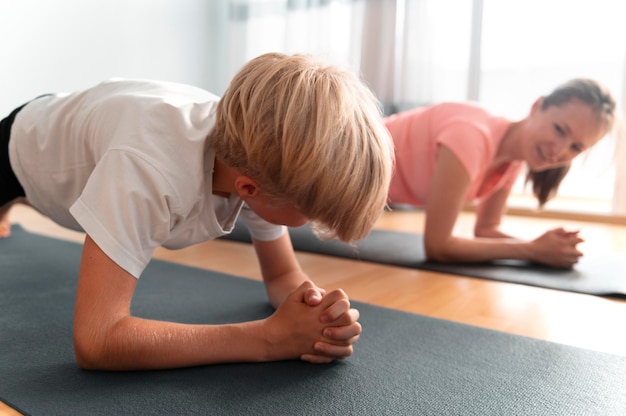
x,y
585,321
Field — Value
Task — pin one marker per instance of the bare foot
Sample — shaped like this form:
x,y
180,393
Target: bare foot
x,y
5,227
5,224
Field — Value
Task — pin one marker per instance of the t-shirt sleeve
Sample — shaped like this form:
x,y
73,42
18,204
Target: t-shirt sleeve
x,y
259,228
469,144
511,175
127,208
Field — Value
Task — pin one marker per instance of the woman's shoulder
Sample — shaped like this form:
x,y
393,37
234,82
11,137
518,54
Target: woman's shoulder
x,y
443,110
467,109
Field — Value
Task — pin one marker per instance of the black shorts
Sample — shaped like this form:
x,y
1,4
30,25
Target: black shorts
x,y
10,187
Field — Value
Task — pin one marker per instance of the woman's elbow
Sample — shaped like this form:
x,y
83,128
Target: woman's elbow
x,y
437,252
488,230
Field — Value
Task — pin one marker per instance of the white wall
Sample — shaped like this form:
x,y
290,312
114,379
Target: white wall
x,y
63,45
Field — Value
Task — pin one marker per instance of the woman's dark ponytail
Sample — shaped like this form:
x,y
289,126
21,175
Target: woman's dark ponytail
x,y
546,182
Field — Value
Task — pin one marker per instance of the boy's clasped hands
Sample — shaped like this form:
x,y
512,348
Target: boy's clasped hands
x,y
313,325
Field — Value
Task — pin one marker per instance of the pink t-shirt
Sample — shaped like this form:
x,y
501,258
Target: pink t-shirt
x,y
470,132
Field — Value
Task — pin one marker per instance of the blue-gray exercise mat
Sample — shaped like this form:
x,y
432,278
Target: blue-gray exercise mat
x,y
404,364
602,274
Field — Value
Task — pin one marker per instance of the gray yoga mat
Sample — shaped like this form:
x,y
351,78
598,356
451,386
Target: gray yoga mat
x,y
404,364
602,274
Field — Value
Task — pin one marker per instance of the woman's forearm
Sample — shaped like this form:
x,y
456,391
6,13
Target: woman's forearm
x,y
480,249
557,248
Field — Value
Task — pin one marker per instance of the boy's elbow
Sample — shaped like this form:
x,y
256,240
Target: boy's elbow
x,y
85,358
88,354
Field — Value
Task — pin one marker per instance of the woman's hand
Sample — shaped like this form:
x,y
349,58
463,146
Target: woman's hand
x,y
557,248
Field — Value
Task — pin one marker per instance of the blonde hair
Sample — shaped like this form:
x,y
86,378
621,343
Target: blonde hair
x,y
309,134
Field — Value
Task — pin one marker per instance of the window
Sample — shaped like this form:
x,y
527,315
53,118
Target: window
x,y
530,47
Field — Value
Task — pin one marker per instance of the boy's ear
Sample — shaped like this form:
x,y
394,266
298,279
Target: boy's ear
x,y
246,187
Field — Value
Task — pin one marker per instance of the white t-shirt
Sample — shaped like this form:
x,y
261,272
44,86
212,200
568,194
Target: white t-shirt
x,y
129,163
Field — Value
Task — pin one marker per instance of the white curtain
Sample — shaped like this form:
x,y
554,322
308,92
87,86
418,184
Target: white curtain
x,y
418,52
433,45
409,52
329,29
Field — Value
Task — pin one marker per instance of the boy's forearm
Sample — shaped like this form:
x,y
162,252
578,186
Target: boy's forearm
x,y
281,271
141,344
278,288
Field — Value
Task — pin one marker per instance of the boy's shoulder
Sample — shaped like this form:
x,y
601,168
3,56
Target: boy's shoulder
x,y
172,92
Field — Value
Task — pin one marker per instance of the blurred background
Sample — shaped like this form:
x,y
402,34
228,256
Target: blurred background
x,y
503,54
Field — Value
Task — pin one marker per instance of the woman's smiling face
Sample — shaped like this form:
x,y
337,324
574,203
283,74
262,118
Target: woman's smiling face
x,y
557,134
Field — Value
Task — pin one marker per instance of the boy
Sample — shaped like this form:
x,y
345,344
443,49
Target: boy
x,y
137,164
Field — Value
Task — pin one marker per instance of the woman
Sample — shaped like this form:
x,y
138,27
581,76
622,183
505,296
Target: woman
x,y
451,154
